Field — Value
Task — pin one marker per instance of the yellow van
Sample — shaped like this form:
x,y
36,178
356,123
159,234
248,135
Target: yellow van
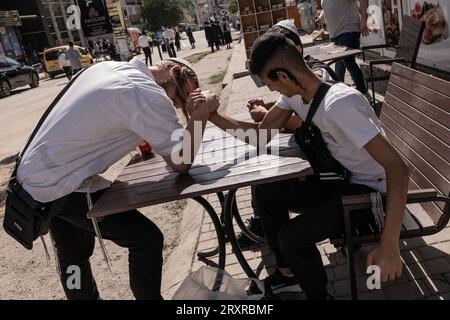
x,y
52,66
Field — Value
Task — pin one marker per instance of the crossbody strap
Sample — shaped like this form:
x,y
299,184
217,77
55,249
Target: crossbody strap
x,y
41,121
318,97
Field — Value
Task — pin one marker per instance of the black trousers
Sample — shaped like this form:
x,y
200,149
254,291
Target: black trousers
x,y
74,238
294,240
68,72
148,55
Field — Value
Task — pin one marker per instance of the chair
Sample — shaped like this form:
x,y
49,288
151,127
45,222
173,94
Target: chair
x,y
406,53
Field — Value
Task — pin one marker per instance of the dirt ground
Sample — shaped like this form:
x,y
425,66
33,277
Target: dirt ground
x,y
27,275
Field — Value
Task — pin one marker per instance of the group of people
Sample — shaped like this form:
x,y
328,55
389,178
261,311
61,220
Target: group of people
x,y
218,33
136,102
171,40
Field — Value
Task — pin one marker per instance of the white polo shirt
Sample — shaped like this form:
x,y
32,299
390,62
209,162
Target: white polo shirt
x,y
104,115
348,123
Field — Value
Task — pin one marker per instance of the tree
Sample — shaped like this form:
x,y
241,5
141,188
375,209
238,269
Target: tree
x,y
233,6
159,13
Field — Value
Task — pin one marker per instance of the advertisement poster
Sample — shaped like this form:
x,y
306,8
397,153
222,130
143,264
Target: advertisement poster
x,y
117,21
374,24
391,10
94,18
17,48
435,47
2,51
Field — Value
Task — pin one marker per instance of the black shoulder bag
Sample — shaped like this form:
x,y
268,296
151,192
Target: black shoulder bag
x,y
25,218
309,137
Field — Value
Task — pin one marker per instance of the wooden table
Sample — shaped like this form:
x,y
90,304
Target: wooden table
x,y
222,164
329,52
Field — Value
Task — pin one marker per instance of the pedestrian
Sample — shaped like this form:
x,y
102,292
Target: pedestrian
x,y
216,34
346,22
109,109
144,42
190,36
226,32
74,56
64,64
169,38
209,35
177,40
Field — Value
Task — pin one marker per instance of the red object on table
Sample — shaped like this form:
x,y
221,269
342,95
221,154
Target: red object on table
x,y
145,147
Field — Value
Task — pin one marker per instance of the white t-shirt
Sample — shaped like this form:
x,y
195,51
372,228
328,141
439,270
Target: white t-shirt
x,y
144,41
104,115
348,123
63,62
169,34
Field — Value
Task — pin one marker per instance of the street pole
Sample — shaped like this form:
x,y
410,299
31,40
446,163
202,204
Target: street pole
x,y
63,11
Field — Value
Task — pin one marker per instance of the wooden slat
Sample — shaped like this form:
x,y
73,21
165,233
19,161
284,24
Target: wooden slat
x,y
168,177
434,97
435,113
420,216
431,208
408,223
417,163
155,184
438,99
421,131
106,206
420,148
429,81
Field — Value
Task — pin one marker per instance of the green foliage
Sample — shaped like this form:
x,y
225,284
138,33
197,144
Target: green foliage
x,y
233,6
159,13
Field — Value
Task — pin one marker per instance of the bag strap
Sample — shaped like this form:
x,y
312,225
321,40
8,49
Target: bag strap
x,y
318,97
41,121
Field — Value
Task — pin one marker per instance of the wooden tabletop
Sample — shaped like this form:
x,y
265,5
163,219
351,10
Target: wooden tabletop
x,y
330,52
223,163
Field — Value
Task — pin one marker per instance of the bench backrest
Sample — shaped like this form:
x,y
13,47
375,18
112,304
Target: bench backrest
x,y
410,39
416,118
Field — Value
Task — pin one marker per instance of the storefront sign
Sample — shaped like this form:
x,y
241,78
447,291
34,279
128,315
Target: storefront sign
x,y
94,18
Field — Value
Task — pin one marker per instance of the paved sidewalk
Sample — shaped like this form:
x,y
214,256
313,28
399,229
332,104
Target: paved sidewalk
x,y
426,270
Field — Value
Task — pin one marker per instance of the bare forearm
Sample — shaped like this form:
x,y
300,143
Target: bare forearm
x,y
227,123
397,189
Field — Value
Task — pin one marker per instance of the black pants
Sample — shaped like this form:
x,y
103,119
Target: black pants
x,y
148,55
171,50
68,72
294,240
74,237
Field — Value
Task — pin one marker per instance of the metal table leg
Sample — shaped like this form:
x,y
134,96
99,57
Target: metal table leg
x,y
219,232
229,212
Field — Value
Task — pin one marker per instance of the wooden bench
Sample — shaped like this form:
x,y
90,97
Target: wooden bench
x,y
416,119
406,52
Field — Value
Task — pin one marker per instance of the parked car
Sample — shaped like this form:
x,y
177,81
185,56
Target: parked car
x,y
51,63
13,75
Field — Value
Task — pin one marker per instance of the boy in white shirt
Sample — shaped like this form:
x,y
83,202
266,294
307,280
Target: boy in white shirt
x,y
354,138
65,64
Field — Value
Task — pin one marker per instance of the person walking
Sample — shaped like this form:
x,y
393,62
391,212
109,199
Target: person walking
x,y
177,40
169,38
346,22
144,42
64,64
190,36
226,30
74,56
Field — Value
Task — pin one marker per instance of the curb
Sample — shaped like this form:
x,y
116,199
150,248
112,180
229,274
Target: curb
x,y
179,263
